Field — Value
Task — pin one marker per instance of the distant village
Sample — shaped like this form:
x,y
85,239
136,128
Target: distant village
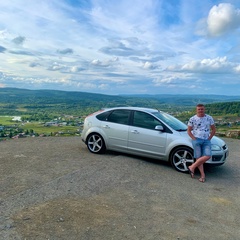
x,y
59,128
17,129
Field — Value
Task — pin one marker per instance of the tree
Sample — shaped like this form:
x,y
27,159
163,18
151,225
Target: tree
x,y
10,135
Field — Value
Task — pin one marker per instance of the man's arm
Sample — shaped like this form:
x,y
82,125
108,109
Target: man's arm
x,y
189,131
213,131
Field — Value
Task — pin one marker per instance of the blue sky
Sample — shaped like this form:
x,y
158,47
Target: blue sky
x,y
121,47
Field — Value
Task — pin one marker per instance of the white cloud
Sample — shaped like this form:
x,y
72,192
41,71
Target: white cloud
x,y
56,67
148,65
76,69
173,79
97,62
222,19
134,46
216,65
237,69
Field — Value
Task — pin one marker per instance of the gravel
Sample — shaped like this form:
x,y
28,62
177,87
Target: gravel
x,y
54,188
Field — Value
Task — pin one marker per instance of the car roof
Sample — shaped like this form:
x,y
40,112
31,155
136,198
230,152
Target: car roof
x,y
133,108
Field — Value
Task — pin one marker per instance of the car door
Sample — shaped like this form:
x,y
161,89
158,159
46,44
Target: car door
x,y
143,138
116,129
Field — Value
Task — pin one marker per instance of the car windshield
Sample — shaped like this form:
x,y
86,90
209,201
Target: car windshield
x,y
171,121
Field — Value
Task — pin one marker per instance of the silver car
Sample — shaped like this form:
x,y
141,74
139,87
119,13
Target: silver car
x,y
148,133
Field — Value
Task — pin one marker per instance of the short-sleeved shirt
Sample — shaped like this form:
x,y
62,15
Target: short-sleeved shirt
x,y
201,126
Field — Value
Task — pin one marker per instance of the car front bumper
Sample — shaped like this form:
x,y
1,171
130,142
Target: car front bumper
x,y
218,157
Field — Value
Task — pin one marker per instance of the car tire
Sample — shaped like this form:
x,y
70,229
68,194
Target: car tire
x,y
181,158
95,143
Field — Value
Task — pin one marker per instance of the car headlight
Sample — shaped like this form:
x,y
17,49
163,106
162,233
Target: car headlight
x,y
215,147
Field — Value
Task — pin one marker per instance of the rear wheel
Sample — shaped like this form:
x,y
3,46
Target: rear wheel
x,y
181,158
95,143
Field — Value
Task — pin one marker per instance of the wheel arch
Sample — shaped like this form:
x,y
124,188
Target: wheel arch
x,y
181,157
176,147
103,146
96,131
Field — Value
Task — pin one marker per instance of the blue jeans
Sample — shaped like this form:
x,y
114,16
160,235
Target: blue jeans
x,y
201,147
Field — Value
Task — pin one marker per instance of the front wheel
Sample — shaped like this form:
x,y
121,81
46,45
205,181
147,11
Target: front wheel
x,y
181,158
95,143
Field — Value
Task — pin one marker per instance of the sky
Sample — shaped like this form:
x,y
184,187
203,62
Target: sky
x,y
121,47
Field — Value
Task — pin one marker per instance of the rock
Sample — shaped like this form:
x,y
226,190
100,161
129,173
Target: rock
x,y
233,133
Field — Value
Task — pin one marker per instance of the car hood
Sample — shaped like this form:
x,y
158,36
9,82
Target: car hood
x,y
215,140
218,141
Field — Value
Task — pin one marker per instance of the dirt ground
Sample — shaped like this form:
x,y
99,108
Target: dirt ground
x,y
54,188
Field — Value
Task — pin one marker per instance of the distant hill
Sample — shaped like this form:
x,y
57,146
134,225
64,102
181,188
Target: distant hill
x,y
17,101
17,95
224,108
188,99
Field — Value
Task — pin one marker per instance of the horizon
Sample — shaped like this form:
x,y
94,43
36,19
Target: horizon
x,y
108,47
149,94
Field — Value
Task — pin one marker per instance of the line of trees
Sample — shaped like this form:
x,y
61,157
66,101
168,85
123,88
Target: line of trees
x,y
232,108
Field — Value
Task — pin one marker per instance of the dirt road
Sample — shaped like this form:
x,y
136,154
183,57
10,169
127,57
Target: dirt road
x,y
53,188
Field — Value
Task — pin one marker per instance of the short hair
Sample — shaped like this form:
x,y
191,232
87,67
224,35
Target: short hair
x,y
200,105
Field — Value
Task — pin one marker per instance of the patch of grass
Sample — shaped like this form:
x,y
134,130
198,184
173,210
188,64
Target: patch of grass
x,y
226,128
41,129
6,120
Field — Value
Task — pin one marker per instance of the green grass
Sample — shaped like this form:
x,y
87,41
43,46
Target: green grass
x,y
226,129
41,129
6,120
38,127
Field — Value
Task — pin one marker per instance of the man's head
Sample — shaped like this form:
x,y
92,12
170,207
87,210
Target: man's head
x,y
200,110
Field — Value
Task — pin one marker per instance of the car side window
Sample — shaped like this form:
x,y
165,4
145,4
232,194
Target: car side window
x,y
119,116
102,116
145,120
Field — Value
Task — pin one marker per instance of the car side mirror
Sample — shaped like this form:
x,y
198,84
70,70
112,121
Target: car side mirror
x,y
159,128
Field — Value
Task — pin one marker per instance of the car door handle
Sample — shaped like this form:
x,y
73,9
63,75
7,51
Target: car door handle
x,y
106,126
135,131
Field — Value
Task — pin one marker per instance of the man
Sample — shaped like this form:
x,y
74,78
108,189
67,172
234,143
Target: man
x,y
201,129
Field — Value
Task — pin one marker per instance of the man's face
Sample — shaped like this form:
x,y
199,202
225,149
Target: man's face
x,y
200,111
